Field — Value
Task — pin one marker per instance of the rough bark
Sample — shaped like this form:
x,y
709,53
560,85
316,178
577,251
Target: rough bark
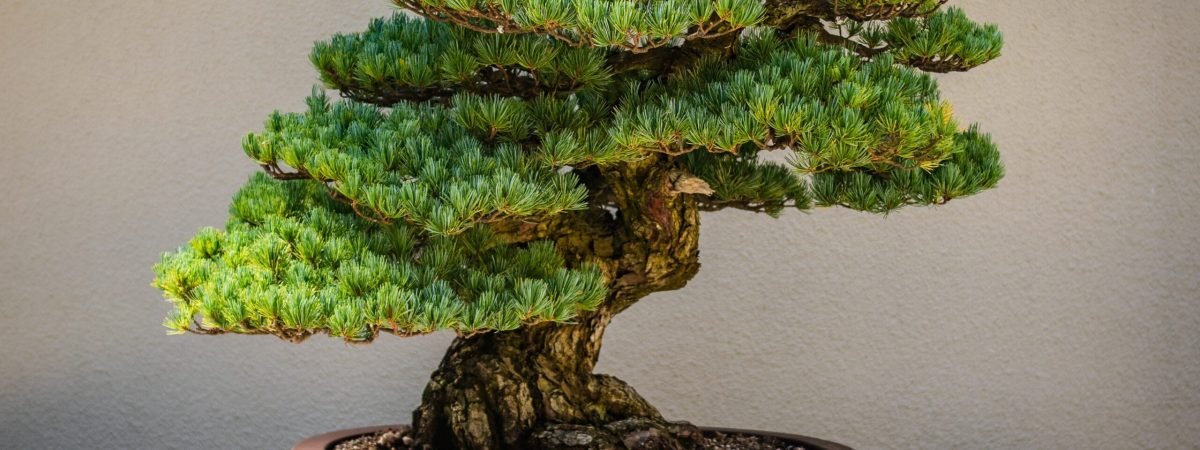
x,y
534,388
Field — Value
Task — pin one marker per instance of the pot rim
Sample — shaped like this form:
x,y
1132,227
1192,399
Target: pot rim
x,y
326,440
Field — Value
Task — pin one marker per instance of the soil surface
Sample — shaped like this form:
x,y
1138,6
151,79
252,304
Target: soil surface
x,y
398,439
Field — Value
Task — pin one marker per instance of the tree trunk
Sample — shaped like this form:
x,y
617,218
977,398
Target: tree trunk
x,y
533,388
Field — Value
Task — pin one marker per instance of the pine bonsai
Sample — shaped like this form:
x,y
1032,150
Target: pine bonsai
x,y
520,171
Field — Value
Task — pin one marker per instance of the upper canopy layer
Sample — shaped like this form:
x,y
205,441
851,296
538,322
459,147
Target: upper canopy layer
x,y
404,58
841,118
945,41
626,24
864,10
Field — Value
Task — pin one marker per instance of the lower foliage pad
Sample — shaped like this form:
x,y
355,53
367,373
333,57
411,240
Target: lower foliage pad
x,y
294,261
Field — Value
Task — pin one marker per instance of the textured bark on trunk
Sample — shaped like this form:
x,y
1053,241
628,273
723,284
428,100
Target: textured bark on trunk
x,y
534,388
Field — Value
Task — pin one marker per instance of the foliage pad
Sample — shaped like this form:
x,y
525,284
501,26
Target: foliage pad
x,y
293,261
423,199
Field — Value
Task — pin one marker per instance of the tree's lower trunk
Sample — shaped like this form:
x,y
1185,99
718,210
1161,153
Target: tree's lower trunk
x,y
534,389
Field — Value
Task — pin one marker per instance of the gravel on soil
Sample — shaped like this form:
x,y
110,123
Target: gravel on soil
x,y
398,439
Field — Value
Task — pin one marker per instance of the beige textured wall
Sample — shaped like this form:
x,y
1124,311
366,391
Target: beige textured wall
x,y
1059,311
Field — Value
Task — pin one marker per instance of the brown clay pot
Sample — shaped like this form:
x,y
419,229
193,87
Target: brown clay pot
x,y
328,440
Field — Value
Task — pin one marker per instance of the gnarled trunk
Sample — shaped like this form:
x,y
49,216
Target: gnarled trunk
x,y
534,388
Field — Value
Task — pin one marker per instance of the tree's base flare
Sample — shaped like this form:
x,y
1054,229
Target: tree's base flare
x,y
638,434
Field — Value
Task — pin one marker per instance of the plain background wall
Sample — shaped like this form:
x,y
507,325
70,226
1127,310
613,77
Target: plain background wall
x,y
1058,311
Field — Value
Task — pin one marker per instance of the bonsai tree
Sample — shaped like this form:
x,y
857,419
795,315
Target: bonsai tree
x,y
521,171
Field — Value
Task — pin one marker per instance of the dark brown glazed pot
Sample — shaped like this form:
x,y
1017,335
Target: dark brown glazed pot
x,y
328,440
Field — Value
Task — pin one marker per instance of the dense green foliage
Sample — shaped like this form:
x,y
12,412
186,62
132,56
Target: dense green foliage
x,y
403,58
945,41
293,261
417,163
840,117
380,213
626,24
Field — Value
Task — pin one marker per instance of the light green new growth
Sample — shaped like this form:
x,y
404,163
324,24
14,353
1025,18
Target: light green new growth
x,y
388,210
